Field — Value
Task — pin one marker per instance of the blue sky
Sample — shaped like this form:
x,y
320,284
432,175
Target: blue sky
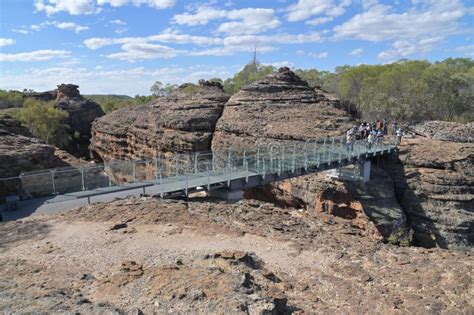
x,y
123,46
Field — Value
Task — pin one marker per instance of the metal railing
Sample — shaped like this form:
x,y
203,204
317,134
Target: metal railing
x,y
181,168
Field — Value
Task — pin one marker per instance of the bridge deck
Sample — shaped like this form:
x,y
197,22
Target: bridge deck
x,y
184,173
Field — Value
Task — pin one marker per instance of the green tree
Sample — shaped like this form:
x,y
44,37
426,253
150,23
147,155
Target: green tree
x,y
250,73
45,121
158,89
10,99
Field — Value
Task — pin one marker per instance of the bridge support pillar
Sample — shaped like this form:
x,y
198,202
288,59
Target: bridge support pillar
x,y
227,194
364,168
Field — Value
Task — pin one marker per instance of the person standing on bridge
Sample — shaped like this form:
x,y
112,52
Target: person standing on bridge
x,y
370,140
350,139
399,135
394,127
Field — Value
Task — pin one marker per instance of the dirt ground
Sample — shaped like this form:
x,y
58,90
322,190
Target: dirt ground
x,y
143,256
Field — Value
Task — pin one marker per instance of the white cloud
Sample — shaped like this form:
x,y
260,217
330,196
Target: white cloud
x,y
78,7
224,46
357,52
279,64
305,9
100,80
20,30
60,25
319,21
6,41
70,26
319,55
120,31
73,7
403,48
157,4
243,21
36,55
118,22
468,49
464,48
382,23
165,37
417,30
140,51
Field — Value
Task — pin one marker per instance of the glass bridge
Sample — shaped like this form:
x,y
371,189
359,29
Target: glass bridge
x,y
186,172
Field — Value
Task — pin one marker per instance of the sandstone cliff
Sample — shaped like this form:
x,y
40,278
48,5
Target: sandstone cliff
x,y
434,182
182,122
281,107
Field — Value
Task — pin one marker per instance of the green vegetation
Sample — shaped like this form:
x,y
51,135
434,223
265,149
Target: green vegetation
x,y
10,99
45,121
109,103
250,73
409,90
189,88
158,89
405,90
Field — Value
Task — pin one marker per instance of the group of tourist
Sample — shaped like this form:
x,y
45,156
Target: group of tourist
x,y
372,133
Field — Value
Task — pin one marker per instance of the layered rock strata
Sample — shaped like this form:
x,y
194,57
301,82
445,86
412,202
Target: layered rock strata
x,y
372,207
434,182
183,122
279,108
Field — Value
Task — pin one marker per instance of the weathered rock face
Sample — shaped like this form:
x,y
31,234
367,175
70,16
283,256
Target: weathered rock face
x,y
282,108
279,108
434,182
372,207
446,131
82,112
20,152
182,122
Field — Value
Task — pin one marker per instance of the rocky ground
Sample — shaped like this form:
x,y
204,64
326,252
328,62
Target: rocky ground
x,y
202,256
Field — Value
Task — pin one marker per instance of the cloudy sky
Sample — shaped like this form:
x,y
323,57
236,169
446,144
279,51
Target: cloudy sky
x,y
123,46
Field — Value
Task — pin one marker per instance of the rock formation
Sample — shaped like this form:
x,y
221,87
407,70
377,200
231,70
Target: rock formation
x,y
281,107
182,122
82,112
447,131
21,152
372,207
434,182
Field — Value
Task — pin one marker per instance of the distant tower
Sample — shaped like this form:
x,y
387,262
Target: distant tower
x,y
254,59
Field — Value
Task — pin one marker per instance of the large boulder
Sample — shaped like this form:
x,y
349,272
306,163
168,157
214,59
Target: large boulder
x,y
434,177
280,108
183,122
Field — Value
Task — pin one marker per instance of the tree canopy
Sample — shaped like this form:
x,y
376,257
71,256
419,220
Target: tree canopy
x,y
45,121
408,90
250,73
